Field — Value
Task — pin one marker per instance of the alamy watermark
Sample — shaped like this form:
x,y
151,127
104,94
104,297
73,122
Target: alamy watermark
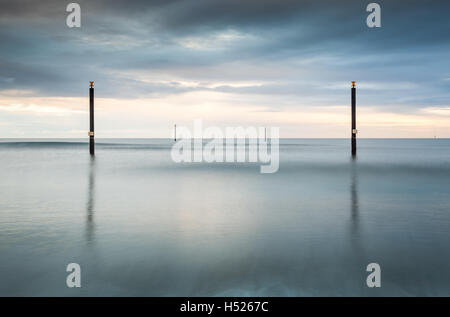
x,y
374,278
74,278
74,17
374,18
231,145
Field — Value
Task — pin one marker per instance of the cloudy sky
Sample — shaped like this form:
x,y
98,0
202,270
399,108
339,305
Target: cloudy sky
x,y
229,62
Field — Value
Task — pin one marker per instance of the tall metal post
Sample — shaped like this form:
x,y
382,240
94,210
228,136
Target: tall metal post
x,y
91,119
354,131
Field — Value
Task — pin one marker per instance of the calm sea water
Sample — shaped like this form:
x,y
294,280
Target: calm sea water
x,y
139,224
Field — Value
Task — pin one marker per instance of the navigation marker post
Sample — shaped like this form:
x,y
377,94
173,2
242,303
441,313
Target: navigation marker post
x,y
91,119
354,131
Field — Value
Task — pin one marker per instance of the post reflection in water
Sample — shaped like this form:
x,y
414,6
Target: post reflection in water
x,y
355,218
90,202
354,194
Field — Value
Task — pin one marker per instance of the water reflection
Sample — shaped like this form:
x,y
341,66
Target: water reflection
x,y
90,226
355,217
354,194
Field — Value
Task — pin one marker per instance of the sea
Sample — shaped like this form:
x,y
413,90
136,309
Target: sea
x,y
139,224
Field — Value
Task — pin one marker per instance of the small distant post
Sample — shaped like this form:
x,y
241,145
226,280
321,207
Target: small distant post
x,y
91,119
354,131
175,133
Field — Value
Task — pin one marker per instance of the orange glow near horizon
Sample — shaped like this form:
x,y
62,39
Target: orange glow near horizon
x,y
29,117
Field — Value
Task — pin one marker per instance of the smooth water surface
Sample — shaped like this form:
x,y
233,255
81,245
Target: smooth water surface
x,y
140,224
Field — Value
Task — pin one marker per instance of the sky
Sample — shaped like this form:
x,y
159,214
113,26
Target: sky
x,y
272,63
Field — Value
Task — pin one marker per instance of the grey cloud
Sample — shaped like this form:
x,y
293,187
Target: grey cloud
x,y
299,45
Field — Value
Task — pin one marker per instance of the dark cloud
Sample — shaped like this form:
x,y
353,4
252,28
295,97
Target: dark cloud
x,y
300,47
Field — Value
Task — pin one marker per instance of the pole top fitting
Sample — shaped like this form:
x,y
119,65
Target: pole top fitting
x,y
353,84
91,84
